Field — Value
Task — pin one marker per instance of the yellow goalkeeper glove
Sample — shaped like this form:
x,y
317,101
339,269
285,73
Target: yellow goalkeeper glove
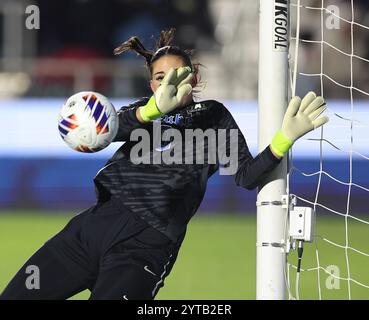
x,y
173,88
300,118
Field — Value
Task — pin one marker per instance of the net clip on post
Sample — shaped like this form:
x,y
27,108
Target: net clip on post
x,y
302,224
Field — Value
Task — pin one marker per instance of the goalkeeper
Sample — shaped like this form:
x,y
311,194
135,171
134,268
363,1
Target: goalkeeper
x,y
125,245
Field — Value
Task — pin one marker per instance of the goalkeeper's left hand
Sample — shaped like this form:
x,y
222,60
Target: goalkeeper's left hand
x,y
300,118
175,86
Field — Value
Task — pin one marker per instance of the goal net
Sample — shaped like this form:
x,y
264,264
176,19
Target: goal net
x,y
329,54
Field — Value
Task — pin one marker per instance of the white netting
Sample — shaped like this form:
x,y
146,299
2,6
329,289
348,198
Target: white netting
x,y
329,54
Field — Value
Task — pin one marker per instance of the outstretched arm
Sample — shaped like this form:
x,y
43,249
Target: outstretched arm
x,y
250,171
300,118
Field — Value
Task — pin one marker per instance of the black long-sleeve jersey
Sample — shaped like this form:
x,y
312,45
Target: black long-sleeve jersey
x,y
166,196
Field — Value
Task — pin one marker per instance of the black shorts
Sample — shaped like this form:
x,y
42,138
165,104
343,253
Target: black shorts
x,y
105,249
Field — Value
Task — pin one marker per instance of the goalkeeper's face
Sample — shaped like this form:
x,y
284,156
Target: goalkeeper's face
x,y
161,67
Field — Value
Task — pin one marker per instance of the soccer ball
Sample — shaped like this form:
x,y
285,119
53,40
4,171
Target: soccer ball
x,y
88,122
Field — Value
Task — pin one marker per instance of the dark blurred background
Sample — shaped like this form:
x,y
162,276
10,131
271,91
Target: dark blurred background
x,y
73,49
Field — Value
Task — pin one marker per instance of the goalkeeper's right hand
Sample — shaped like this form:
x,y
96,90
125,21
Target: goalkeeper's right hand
x,y
300,118
175,86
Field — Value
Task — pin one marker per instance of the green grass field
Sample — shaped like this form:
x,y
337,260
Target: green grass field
x,y
217,259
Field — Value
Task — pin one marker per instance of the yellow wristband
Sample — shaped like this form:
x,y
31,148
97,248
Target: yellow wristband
x,y
281,144
150,111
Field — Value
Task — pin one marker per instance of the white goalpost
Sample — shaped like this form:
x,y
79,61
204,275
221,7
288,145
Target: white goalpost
x,y
272,97
319,45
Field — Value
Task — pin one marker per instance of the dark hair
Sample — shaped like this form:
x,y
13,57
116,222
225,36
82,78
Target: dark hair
x,y
163,47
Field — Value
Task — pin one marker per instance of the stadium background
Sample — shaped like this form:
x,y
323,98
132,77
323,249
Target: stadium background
x,y
43,183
